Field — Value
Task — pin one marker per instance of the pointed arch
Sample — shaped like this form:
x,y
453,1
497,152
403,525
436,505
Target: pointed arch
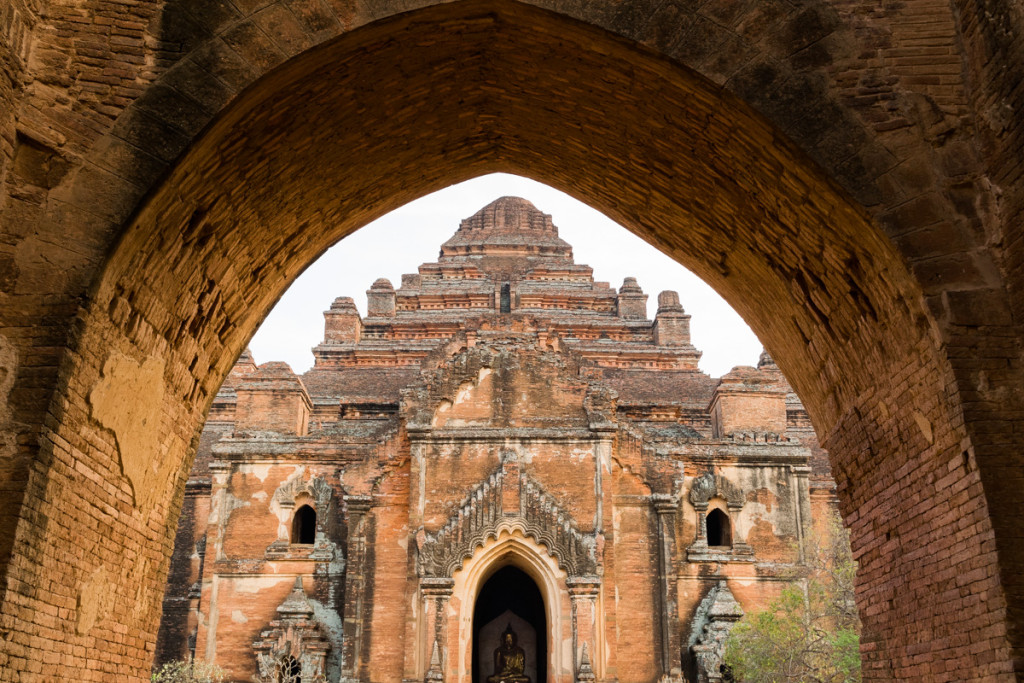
x,y
719,529
304,525
512,549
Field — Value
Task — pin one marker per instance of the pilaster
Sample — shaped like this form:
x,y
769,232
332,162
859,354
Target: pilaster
x,y
435,593
356,509
583,592
665,506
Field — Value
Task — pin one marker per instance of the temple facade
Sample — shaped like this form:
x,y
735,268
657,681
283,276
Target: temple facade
x,y
504,472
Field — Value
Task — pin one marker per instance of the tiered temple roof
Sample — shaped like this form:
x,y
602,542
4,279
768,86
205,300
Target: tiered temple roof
x,y
506,265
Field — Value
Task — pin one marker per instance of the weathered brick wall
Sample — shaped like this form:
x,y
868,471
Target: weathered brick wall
x,y
875,97
242,607
502,405
17,20
392,591
634,574
172,642
993,47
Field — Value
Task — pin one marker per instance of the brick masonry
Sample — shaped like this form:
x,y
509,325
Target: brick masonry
x,y
846,174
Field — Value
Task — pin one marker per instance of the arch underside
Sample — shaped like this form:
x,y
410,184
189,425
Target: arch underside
x,y
346,131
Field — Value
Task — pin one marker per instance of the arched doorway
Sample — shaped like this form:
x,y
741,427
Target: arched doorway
x,y
510,599
514,549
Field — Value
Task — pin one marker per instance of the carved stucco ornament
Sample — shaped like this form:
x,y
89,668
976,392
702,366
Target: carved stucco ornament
x,y
294,647
715,618
702,490
316,488
708,485
482,515
600,404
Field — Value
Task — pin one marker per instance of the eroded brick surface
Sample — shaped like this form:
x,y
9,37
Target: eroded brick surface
x,y
848,176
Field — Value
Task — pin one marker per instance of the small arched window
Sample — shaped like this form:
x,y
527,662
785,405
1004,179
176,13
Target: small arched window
x,y
304,525
719,529
289,669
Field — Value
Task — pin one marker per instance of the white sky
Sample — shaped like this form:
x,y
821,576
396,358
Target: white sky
x,y
400,241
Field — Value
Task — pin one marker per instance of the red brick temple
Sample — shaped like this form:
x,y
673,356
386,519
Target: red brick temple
x,y
501,444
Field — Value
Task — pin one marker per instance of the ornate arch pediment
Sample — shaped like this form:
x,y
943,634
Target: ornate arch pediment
x,y
709,485
316,488
322,494
295,636
490,509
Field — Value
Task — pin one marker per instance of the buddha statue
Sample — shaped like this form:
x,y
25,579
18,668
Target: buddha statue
x,y
509,660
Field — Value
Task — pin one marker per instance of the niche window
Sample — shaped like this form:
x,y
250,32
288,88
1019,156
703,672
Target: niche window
x,y
719,529
290,670
304,526
506,298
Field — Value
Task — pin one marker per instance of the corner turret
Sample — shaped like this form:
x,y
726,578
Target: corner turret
x,y
632,303
342,324
671,324
273,398
751,401
380,299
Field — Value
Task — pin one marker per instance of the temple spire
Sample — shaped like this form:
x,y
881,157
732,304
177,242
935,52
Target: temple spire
x,y
508,226
509,215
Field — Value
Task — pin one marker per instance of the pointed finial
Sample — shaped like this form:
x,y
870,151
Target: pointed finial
x,y
296,603
586,671
434,673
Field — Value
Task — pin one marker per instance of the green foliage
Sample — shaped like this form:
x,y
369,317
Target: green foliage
x,y
811,633
189,671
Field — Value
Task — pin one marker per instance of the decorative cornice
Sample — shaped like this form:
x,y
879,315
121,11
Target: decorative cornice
x,y
583,586
664,503
358,504
431,586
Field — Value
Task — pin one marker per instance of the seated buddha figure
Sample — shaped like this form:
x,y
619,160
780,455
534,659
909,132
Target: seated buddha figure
x,y
509,660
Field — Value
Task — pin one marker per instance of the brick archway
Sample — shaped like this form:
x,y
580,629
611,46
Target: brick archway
x,y
410,104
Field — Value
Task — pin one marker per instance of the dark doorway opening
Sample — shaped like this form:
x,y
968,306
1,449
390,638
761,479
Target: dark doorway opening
x,y
719,529
506,298
304,526
510,597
